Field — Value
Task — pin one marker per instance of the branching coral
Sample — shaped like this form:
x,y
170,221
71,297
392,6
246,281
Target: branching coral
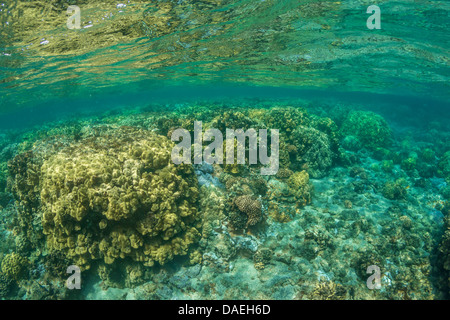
x,y
328,290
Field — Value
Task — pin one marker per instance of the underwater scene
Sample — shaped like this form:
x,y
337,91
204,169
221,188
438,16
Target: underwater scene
x,y
224,150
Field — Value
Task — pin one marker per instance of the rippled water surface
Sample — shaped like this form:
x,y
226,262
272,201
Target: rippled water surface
x,y
141,46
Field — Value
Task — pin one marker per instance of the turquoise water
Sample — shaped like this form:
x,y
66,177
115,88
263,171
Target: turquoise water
x,y
364,154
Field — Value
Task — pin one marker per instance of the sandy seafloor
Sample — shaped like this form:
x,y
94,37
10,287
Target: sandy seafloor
x,y
320,252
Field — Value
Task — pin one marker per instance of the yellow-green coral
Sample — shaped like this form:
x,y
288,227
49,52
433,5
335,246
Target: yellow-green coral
x,y
328,290
13,265
119,196
285,119
395,189
312,150
195,257
251,207
300,187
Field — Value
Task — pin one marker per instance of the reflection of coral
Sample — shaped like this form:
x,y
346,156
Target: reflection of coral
x,y
251,207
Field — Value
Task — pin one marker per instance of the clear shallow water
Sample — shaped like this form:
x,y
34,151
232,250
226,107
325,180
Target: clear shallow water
x,y
79,98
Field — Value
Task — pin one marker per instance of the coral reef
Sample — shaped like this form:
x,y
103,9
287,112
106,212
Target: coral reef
x,y
300,187
5,285
14,266
370,128
394,190
444,166
250,207
313,151
444,246
232,120
262,257
328,290
91,192
108,199
285,119
113,197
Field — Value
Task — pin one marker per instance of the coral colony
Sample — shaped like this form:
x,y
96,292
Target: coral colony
x,y
105,198
257,150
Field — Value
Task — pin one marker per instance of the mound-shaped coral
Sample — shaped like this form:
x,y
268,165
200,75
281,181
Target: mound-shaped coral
x,y
118,196
251,207
14,265
313,150
394,190
370,128
300,187
285,119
